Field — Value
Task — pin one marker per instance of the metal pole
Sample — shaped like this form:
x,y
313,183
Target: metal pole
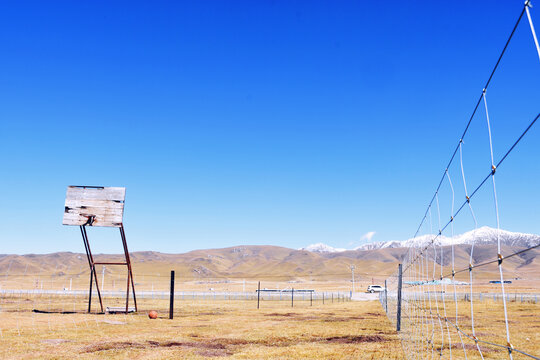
x,y
92,267
292,297
258,294
323,298
171,300
311,298
400,275
385,298
90,292
127,294
128,263
527,5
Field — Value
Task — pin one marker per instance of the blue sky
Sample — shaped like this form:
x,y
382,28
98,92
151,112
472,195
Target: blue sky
x,y
268,122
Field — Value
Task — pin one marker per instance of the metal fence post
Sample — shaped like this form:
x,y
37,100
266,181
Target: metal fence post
x,y
171,300
292,297
385,297
400,276
258,294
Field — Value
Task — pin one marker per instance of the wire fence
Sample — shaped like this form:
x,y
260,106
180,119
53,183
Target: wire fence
x,y
39,302
438,301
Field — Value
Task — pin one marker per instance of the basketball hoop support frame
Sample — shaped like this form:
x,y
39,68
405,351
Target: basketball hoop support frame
x,y
93,275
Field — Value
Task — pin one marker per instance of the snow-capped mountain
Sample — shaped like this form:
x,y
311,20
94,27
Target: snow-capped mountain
x,y
322,248
483,235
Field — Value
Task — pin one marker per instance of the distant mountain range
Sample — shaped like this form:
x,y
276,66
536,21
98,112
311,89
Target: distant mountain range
x,y
317,262
484,235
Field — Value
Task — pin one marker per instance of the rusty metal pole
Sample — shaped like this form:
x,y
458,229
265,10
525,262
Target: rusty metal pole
x,y
128,263
171,300
91,273
127,294
90,293
311,298
92,265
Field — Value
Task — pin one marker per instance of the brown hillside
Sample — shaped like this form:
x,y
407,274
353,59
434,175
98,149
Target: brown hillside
x,y
273,262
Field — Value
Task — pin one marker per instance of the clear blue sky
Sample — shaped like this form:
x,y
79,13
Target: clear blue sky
x,y
266,122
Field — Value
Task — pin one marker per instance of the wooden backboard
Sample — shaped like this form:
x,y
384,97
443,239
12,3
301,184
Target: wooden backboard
x,y
94,206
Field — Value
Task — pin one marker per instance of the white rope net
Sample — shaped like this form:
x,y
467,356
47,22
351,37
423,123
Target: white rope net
x,y
454,302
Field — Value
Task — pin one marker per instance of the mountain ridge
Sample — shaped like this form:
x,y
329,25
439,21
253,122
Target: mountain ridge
x,y
276,263
482,235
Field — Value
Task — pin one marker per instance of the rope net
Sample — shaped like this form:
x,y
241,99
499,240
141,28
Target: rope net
x,y
454,301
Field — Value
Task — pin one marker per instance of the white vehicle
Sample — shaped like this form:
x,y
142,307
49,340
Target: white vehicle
x,y
375,288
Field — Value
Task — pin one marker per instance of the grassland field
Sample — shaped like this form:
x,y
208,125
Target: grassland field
x,y
203,329
236,329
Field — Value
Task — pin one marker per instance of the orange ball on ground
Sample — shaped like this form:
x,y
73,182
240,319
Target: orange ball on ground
x,y
152,314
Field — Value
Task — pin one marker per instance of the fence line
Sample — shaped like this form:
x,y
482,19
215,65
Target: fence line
x,y
187,295
447,324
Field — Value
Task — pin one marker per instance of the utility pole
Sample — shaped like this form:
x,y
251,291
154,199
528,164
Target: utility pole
x,y
352,271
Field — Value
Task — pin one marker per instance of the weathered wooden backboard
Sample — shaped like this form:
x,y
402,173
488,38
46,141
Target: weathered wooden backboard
x,y
94,206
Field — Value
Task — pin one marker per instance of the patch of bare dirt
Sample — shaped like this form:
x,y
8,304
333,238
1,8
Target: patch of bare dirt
x,y
355,339
372,314
210,348
472,347
116,345
342,318
325,317
232,341
282,314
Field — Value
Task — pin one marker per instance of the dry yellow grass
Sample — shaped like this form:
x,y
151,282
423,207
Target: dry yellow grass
x,y
426,330
233,330
236,329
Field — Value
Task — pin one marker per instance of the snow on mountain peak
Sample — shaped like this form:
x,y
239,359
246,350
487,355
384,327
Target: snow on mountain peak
x,y
482,235
322,248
